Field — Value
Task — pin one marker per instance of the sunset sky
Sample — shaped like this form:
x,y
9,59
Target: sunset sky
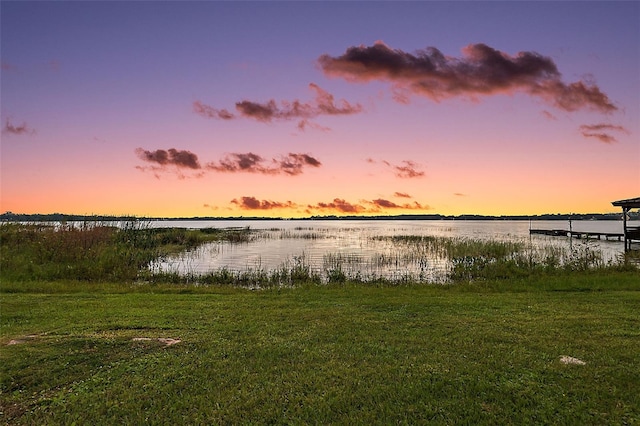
x,y
293,109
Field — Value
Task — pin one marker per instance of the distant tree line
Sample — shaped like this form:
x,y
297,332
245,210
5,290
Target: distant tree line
x,y
60,217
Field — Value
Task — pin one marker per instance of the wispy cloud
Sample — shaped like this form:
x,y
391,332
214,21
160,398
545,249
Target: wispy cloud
x,y
481,71
12,129
324,103
210,112
291,164
602,132
407,169
209,206
304,124
402,195
173,160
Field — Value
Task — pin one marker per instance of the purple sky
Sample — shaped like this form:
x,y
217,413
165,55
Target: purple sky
x,y
313,108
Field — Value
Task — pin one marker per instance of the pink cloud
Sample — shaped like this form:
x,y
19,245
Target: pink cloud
x,y
12,129
602,132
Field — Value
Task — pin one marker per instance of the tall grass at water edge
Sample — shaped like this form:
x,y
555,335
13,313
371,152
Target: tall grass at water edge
x,y
101,252
92,251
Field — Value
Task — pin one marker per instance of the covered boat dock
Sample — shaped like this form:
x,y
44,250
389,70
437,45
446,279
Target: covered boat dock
x,y
631,233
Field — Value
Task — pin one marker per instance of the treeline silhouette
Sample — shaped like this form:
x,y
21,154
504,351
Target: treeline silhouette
x,y
60,217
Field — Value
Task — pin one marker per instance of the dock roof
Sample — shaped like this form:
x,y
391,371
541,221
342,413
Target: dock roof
x,y
631,203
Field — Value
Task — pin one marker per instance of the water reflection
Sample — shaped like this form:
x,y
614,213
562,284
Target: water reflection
x,y
365,249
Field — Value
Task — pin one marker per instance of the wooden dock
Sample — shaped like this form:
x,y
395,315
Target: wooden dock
x,y
578,234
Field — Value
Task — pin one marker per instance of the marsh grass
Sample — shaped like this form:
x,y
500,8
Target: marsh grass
x,y
471,259
94,251
103,252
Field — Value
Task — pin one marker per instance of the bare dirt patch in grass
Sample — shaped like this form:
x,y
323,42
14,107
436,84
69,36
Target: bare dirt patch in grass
x,y
565,359
167,341
21,340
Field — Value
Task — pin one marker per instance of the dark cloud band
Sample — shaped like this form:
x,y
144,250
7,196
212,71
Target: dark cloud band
x,y
481,71
292,164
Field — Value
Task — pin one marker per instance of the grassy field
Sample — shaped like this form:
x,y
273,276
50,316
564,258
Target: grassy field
x,y
486,353
88,336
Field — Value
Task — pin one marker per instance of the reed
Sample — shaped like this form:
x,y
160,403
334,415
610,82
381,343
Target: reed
x,y
95,251
103,252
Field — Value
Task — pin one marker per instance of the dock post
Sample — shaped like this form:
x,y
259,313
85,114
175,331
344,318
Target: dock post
x,y
625,212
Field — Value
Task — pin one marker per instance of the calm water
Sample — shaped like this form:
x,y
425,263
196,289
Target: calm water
x,y
356,248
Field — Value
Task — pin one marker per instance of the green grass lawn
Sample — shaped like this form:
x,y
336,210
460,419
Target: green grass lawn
x,y
485,353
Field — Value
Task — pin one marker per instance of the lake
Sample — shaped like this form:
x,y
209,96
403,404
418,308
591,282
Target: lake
x,y
366,248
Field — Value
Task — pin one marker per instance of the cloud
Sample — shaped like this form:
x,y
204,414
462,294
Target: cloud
x,y
170,157
402,195
233,163
546,114
252,203
324,103
481,71
291,164
303,124
601,131
340,205
173,160
406,170
12,129
210,112
459,194
363,206
337,205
